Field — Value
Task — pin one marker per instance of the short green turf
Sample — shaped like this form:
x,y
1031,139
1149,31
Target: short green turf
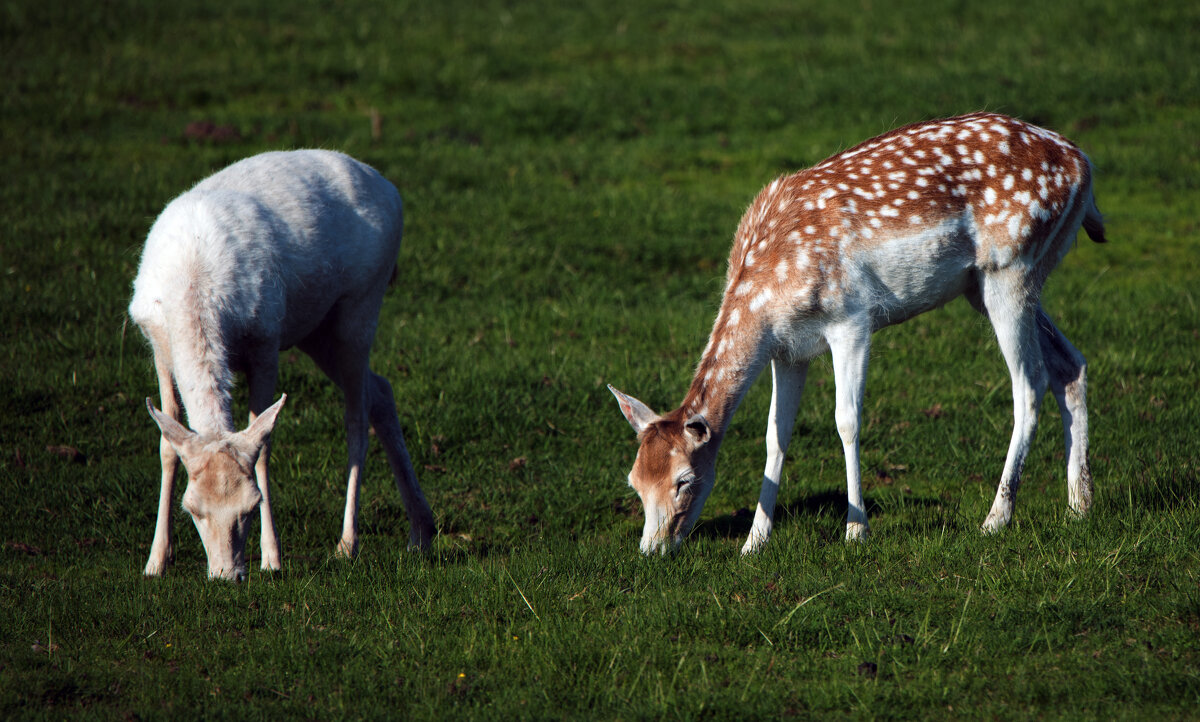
x,y
573,174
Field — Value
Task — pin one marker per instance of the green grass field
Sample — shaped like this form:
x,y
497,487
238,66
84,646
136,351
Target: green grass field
x,y
573,174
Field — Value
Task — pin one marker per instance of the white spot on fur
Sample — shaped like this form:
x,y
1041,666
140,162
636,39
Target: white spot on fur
x,y
761,299
989,195
1008,182
1014,226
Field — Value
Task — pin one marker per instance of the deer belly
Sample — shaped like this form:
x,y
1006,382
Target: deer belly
x,y
907,279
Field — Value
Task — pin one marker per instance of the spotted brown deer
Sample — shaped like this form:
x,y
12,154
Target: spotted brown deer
x,y
982,206
278,250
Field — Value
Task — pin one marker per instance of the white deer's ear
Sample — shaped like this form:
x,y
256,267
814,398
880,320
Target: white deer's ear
x,y
259,430
176,433
698,430
636,413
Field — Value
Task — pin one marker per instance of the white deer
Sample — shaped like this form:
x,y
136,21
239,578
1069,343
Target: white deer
x,y
980,205
281,249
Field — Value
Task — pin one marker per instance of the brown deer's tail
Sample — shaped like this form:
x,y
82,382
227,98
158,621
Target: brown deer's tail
x,y
1093,222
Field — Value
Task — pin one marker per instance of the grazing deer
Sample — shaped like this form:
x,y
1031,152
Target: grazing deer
x,y
982,205
279,250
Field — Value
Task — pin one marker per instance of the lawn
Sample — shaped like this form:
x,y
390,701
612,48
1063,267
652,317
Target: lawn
x,y
572,175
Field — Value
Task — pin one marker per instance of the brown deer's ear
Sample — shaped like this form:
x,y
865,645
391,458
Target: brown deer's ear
x,y
636,413
697,430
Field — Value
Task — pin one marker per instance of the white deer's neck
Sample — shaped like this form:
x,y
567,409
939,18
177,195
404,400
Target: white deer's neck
x,y
209,408
200,365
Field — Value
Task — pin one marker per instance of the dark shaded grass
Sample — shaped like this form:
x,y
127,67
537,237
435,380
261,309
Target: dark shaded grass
x,y
572,177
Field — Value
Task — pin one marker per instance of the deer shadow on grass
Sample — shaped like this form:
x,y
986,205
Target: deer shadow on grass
x,y
829,505
1168,489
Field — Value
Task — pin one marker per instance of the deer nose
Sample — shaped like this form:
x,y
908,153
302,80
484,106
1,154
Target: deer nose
x,y
235,575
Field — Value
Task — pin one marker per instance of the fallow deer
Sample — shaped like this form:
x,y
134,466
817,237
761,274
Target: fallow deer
x,y
281,249
982,206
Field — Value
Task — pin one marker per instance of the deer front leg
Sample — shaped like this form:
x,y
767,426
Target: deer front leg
x,y
356,448
786,389
261,381
161,552
343,358
850,347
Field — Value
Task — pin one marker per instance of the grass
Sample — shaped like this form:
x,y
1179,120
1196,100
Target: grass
x,y
572,177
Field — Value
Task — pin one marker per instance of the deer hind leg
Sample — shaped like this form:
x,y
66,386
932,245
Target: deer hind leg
x,y
787,386
850,347
162,552
1014,318
382,413
1067,370
261,378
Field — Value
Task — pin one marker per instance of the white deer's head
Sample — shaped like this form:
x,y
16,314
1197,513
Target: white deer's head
x,y
673,473
222,494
